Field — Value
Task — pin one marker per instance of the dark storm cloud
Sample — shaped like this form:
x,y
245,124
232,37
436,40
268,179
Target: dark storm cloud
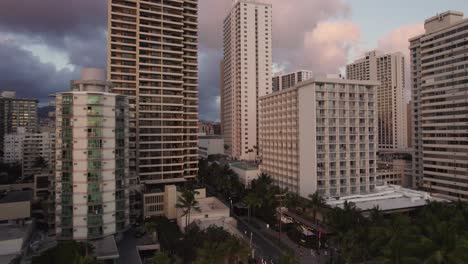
x,y
22,72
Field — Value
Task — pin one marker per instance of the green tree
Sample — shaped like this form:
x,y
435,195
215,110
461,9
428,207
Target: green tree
x,y
288,259
252,201
316,203
162,257
151,228
188,203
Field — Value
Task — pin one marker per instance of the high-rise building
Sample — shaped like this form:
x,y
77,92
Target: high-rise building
x,y
321,136
247,74
92,160
439,80
288,80
389,70
16,113
13,143
152,59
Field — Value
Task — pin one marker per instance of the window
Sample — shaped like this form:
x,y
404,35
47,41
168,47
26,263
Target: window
x,y
94,99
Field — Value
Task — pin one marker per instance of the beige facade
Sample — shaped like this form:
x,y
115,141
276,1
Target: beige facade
x,y
439,80
284,81
36,147
389,70
321,136
92,159
247,74
152,59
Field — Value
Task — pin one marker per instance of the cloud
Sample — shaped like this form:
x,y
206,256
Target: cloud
x,y
28,76
397,39
328,45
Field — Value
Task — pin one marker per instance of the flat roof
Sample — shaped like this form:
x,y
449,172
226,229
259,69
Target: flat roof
x,y
106,248
17,196
244,166
387,198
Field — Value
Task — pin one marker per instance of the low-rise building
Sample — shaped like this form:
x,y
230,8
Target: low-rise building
x,y
387,198
210,145
246,171
211,212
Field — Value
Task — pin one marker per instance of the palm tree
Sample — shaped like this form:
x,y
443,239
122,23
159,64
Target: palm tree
x,y
236,250
188,203
316,204
252,201
151,227
211,253
293,200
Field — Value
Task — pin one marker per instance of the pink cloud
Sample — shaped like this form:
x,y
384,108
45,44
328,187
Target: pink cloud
x,y
397,39
328,45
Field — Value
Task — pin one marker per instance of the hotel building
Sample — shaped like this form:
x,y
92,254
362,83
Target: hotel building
x,y
439,81
288,80
321,135
389,70
247,74
152,59
92,160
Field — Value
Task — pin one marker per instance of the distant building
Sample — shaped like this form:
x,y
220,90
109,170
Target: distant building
x,y
247,74
389,70
246,171
320,136
395,167
13,143
210,145
284,81
439,80
38,153
92,159
16,113
208,128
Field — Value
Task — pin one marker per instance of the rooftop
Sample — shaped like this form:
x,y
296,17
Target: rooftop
x,y
16,197
244,166
210,204
387,198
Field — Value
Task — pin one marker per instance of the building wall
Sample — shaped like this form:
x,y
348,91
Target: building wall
x,y
15,211
35,146
321,136
285,81
389,70
247,42
156,66
13,152
210,146
438,79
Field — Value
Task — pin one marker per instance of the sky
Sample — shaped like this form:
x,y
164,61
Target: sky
x,y
44,44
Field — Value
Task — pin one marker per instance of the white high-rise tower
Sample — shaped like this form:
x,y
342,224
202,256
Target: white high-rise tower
x,y
247,74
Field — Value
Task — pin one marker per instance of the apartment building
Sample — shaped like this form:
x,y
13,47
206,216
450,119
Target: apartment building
x,y
389,70
152,59
38,153
439,80
282,81
13,143
92,160
247,74
321,135
16,113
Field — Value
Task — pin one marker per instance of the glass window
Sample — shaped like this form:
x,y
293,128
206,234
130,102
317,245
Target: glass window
x,y
94,154
95,143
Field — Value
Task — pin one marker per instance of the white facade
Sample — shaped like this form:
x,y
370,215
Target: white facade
x,y
210,145
439,79
13,152
321,136
247,74
284,81
389,70
246,172
91,160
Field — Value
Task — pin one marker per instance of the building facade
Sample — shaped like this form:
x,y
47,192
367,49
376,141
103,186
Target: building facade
x,y
152,59
321,136
247,74
38,153
389,70
92,160
13,144
16,113
439,79
288,80
210,145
